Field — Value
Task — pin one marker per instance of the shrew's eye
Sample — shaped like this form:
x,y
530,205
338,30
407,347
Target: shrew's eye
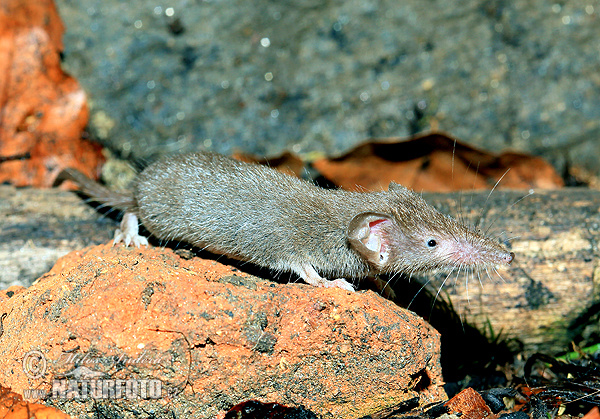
x,y
431,243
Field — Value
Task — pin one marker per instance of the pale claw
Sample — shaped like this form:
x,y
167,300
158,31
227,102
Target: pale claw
x,y
339,283
310,276
140,241
129,233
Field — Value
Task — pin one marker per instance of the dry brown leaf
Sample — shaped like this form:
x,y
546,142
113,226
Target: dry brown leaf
x,y
435,162
593,414
43,111
470,405
287,162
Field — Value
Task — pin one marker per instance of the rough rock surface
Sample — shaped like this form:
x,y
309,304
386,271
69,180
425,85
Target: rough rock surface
x,y
213,337
316,76
43,111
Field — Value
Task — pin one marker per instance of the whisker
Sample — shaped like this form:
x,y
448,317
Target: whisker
x,y
489,195
479,278
418,292
496,185
488,274
460,267
456,279
490,226
386,285
461,215
467,287
440,289
453,153
393,276
476,174
531,192
500,276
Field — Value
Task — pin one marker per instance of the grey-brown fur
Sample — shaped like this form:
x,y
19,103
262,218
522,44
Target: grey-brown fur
x,y
253,213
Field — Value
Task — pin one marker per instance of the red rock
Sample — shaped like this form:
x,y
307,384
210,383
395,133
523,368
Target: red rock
x,y
43,111
214,337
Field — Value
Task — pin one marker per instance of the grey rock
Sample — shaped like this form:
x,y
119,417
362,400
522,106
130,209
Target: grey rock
x,y
38,226
312,76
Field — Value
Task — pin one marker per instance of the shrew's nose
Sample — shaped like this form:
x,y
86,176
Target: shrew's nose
x,y
509,258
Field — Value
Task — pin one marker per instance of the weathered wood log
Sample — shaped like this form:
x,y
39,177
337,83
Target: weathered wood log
x,y
555,277
37,226
539,299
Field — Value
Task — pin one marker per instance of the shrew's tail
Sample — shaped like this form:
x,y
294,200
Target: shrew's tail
x,y
96,192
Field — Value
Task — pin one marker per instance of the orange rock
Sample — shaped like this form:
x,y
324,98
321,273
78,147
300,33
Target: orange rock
x,y
213,337
10,291
43,111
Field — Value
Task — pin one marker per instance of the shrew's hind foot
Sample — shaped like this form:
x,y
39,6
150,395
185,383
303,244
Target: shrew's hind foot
x,y
128,232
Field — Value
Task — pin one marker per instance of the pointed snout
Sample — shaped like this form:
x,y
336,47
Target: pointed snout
x,y
509,258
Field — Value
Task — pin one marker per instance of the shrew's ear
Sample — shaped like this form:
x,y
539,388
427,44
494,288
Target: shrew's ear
x,y
368,234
